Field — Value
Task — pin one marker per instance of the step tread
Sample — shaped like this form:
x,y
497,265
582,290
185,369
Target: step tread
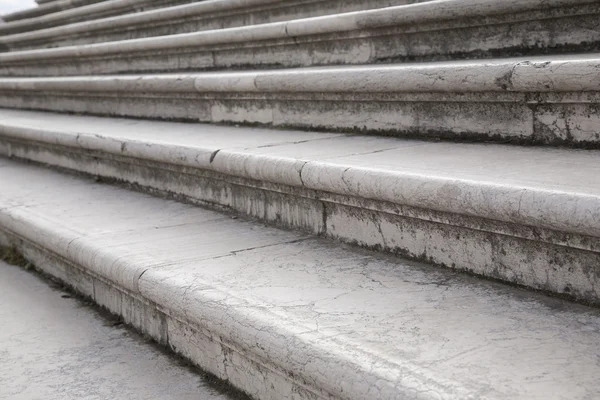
x,y
563,169
353,323
161,16
69,12
415,13
539,74
557,188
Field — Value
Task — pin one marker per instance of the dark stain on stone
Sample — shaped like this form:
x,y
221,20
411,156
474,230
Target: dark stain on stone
x,y
213,155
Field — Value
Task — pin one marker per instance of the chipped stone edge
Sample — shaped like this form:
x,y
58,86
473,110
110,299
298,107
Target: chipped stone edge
x,y
557,210
414,14
223,338
457,241
543,75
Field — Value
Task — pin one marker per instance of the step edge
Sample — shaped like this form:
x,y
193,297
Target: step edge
x,y
369,19
119,21
522,75
414,383
362,183
70,13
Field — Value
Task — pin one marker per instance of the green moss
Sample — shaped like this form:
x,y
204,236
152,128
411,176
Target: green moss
x,y
12,255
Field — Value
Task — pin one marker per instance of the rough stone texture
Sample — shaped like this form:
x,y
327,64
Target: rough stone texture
x,y
436,30
54,348
548,100
84,12
283,316
184,19
525,215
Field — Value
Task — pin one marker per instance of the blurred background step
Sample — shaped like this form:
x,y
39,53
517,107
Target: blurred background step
x,y
545,100
46,7
428,31
88,12
194,17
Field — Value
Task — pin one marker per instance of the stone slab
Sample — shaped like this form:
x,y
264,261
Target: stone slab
x,y
301,318
548,100
427,31
194,17
56,347
525,215
46,7
82,10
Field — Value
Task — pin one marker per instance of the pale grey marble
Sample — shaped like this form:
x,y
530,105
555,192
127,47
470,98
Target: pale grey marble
x,y
548,100
82,10
284,316
54,347
46,7
194,17
431,30
525,215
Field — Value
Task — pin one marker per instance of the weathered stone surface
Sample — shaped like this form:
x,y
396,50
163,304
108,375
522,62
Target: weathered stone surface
x,y
284,316
548,100
55,348
186,18
426,31
524,215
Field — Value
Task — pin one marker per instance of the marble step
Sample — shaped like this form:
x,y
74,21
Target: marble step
x,y
429,31
282,315
47,7
186,18
543,100
526,215
83,12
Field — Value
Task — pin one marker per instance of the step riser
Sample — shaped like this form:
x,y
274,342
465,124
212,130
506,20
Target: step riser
x,y
194,18
506,35
550,260
570,119
204,347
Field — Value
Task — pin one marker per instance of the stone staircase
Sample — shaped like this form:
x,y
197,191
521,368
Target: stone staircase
x,y
46,7
293,195
62,12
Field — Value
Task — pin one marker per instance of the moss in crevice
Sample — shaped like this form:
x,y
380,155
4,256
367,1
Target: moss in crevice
x,y
12,255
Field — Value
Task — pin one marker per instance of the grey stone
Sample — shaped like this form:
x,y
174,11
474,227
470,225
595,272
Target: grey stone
x,y
53,347
524,215
283,316
548,100
47,7
81,10
186,18
428,31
